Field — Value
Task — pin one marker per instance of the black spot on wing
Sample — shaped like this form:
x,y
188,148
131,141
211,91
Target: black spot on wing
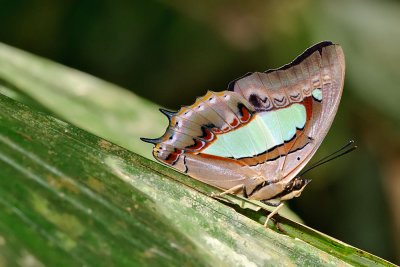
x,y
255,101
259,103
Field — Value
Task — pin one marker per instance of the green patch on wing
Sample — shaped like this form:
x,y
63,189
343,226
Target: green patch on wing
x,y
317,94
265,131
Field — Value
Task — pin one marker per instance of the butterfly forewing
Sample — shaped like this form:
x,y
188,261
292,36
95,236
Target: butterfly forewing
x,y
313,84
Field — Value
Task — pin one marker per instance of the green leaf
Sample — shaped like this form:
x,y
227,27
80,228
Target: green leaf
x,y
88,102
122,117
92,104
70,198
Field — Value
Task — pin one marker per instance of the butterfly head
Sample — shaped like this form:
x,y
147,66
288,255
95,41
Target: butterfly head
x,y
294,188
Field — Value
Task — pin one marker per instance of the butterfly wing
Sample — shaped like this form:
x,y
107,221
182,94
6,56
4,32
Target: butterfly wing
x,y
313,82
265,127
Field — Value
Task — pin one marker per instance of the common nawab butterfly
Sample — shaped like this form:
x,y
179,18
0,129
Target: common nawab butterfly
x,y
255,137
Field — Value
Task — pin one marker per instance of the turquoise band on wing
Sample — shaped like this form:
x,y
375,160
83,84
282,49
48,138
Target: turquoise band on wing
x,y
265,131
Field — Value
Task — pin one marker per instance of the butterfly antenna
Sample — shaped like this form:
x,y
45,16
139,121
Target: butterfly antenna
x,y
349,147
350,143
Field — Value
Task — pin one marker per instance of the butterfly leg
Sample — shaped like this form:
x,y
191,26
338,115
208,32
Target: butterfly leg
x,y
232,190
275,211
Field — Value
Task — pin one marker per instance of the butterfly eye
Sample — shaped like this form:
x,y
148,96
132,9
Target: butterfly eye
x,y
298,184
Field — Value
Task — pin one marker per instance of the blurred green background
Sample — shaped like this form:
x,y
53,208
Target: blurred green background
x,y
173,51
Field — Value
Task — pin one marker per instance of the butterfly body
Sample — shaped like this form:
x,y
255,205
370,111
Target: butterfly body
x,y
255,137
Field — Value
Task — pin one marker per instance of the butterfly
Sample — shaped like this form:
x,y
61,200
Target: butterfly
x,y
255,137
